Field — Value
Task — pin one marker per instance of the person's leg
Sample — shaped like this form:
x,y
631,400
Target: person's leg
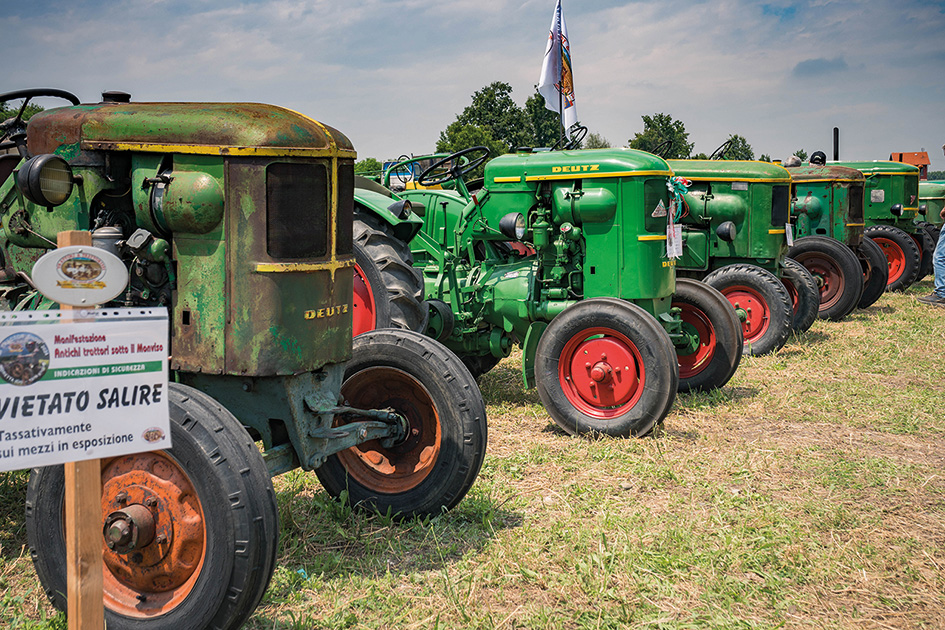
x,y
938,265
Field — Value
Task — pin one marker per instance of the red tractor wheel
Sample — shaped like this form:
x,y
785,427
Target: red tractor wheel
x,y
606,366
902,255
432,466
388,291
805,297
189,534
712,346
835,269
875,271
761,302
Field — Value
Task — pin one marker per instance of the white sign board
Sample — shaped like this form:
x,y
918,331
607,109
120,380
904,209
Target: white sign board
x,y
84,384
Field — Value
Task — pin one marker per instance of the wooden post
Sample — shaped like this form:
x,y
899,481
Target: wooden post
x,y
83,521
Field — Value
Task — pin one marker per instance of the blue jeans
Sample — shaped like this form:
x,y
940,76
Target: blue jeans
x,y
938,265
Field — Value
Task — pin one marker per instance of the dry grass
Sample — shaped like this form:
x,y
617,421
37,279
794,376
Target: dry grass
x,y
809,492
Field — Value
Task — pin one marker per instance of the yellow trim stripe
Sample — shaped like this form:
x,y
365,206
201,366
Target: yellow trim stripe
x,y
539,178
506,180
652,237
216,150
781,180
332,266
777,231
856,225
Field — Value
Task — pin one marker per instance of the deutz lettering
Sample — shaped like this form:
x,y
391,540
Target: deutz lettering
x,y
330,311
577,168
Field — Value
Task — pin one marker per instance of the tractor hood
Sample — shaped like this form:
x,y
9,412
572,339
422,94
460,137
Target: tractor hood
x,y
880,167
591,163
730,170
828,173
204,128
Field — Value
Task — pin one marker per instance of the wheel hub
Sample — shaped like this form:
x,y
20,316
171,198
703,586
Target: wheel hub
x,y
128,529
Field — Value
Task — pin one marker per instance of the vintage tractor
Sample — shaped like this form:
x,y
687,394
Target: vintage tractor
x,y
931,206
237,218
734,227
564,253
827,207
891,206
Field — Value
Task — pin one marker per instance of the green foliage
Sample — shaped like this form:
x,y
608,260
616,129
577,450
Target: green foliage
x,y
492,108
801,153
936,175
660,128
764,157
367,165
544,127
459,136
738,149
9,110
596,141
699,156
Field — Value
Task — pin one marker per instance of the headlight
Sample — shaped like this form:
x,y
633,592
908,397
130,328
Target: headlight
x,y
897,210
513,225
400,209
46,180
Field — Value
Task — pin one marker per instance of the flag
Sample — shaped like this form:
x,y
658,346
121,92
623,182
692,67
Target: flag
x,y
556,83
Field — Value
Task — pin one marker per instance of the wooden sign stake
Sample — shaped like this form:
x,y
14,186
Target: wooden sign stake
x,y
84,577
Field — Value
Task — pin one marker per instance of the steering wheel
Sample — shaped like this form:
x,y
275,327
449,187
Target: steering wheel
x,y
14,126
719,153
662,147
575,139
401,177
456,171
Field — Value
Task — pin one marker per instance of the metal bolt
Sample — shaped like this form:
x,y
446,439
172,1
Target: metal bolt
x,y
111,545
150,502
160,539
121,497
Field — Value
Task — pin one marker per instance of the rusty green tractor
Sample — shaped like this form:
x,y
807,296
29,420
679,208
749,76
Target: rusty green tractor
x,y
734,221
238,219
564,254
891,207
827,205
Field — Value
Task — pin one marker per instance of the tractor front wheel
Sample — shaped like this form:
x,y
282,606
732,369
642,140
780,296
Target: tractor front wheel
x,y
761,302
926,245
431,467
712,333
606,366
875,271
836,270
189,534
805,296
903,257
388,291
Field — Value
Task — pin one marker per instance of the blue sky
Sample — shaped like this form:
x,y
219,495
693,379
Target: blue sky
x,y
392,74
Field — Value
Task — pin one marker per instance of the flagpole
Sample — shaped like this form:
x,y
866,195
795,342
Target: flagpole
x,y
560,81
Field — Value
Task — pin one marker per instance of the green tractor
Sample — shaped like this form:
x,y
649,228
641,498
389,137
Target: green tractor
x,y
734,228
827,209
565,254
237,217
931,206
891,206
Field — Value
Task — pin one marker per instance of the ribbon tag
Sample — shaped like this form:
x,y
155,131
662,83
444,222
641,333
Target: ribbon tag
x,y
674,241
789,234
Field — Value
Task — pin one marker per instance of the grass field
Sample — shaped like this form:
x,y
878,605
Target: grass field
x,y
809,492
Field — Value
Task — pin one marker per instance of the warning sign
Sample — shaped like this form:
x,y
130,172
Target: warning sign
x,y
78,385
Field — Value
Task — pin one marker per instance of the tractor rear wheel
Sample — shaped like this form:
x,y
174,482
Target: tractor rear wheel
x,y
713,334
606,366
805,297
926,246
433,466
932,230
202,514
835,269
761,302
391,293
875,271
902,255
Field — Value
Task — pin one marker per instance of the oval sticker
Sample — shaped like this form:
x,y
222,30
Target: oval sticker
x,y
80,275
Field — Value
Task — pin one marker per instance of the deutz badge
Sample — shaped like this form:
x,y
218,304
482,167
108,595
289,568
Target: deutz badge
x,y
660,210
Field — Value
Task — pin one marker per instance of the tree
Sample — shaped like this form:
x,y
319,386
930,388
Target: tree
x,y
544,126
492,108
596,141
801,153
368,165
936,175
764,157
738,149
659,129
459,136
10,109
